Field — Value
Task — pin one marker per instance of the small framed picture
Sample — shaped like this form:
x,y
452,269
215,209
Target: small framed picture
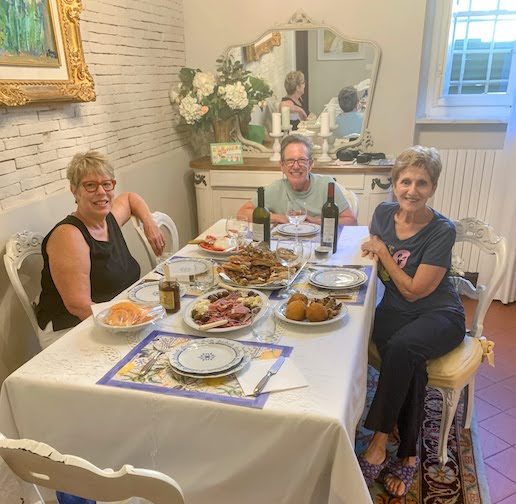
x,y
332,47
226,153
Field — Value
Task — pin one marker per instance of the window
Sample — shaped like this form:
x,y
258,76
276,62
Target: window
x,y
472,63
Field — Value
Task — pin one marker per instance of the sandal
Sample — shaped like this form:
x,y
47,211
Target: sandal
x,y
371,471
404,473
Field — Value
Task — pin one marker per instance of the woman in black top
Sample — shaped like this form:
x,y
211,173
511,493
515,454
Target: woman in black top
x,y
85,257
295,88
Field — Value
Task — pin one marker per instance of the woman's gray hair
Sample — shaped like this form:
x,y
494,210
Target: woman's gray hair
x,y
292,80
348,99
91,162
296,139
422,157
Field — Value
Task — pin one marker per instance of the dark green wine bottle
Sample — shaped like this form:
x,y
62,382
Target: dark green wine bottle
x,y
261,220
330,220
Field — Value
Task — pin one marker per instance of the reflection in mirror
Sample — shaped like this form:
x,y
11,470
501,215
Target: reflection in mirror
x,y
337,76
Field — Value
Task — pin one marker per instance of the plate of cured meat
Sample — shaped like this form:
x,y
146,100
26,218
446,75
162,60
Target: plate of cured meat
x,y
224,310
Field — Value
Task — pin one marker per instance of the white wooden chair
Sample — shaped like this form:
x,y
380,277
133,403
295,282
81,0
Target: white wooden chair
x,y
162,220
18,249
457,369
42,465
351,198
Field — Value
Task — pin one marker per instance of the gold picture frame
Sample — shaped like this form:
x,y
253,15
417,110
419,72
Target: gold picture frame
x,y
70,81
265,45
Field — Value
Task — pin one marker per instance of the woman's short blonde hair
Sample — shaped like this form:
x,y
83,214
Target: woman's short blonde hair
x,y
88,163
422,157
292,80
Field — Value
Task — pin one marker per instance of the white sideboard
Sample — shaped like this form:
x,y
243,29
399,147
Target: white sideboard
x,y
221,191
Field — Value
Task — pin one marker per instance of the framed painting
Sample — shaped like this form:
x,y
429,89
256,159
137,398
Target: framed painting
x,y
332,47
41,56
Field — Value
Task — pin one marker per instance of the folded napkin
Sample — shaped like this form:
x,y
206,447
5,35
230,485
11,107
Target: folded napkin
x,y
288,377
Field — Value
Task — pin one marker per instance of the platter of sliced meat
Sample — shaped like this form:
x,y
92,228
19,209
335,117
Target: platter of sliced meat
x,y
224,310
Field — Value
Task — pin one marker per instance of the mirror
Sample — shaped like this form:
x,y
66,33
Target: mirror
x,y
330,63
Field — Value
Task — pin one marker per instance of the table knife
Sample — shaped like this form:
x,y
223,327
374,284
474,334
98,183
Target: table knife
x,y
272,371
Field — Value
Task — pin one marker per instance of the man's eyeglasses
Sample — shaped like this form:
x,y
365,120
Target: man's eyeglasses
x,y
107,185
301,162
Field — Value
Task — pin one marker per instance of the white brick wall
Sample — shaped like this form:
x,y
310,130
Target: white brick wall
x,y
134,51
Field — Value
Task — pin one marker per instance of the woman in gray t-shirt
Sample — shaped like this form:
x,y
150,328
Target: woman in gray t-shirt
x,y
420,316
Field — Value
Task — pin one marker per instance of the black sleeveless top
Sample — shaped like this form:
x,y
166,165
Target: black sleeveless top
x,y
113,269
295,122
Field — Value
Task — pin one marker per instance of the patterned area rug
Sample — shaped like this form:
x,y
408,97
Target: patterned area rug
x,y
461,481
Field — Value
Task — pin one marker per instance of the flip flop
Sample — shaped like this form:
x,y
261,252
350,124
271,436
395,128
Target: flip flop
x,y
371,471
405,473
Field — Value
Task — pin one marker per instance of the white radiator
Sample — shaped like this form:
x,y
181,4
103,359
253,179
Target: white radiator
x,y
464,190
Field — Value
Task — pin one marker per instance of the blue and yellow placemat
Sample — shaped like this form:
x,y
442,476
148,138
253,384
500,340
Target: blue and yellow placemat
x,y
162,380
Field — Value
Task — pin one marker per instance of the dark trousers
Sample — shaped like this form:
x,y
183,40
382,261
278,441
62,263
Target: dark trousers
x,y
405,343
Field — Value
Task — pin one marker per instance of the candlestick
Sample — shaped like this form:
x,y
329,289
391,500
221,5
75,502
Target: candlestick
x,y
324,155
276,123
325,123
276,146
332,113
285,118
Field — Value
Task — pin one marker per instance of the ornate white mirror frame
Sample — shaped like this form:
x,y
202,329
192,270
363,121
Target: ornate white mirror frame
x,y
271,39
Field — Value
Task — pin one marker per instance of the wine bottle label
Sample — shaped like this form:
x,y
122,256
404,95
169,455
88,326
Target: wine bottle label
x,y
167,299
258,232
328,231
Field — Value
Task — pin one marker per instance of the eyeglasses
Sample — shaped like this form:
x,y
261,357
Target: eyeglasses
x,y
301,162
91,186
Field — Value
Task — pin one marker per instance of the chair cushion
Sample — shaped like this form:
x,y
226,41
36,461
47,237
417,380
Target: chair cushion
x,y
452,370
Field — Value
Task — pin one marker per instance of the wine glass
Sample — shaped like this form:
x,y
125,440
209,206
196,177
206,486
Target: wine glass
x,y
296,213
289,252
236,229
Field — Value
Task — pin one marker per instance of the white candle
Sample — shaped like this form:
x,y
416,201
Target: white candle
x,y
325,123
276,123
331,111
285,118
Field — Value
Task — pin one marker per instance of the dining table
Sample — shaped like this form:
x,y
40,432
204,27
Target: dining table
x,y
290,446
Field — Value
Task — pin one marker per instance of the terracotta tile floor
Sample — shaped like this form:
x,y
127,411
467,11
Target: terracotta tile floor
x,y
495,402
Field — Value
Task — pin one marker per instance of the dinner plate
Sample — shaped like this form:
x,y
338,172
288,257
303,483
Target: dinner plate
x,y
187,314
148,293
206,356
304,229
241,365
338,278
157,312
281,308
184,266
204,248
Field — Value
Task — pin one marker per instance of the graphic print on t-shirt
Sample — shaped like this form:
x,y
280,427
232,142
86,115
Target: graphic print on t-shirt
x,y
400,258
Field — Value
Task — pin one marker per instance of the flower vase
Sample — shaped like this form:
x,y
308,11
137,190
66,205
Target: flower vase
x,y
222,130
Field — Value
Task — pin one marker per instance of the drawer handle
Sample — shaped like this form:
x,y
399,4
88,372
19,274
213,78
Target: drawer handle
x,y
200,179
377,182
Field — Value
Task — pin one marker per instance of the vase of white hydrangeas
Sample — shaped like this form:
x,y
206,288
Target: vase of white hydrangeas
x,y
207,101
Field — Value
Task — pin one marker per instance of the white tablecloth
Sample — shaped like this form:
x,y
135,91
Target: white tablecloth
x,y
298,449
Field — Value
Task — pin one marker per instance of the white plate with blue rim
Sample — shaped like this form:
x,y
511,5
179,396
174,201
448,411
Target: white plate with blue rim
x,y
338,278
241,365
148,293
303,229
185,266
206,356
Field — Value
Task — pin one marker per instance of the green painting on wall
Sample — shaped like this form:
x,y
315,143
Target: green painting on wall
x,y
27,35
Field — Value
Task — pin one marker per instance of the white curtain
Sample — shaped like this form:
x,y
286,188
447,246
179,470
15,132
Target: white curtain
x,y
503,206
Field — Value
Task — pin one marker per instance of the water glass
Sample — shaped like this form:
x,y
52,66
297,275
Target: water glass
x,y
237,229
264,328
205,279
